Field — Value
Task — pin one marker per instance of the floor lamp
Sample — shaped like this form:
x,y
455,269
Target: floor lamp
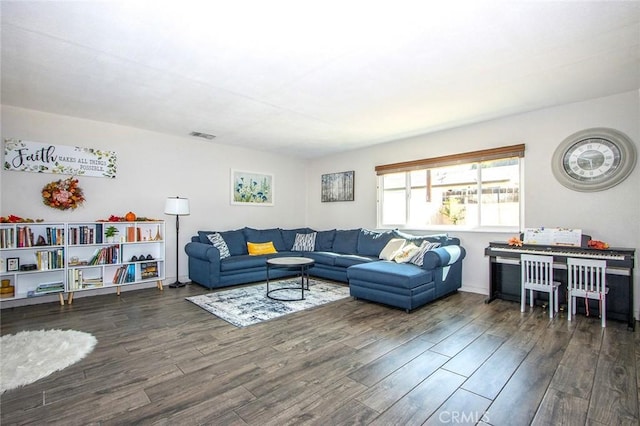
x,y
179,207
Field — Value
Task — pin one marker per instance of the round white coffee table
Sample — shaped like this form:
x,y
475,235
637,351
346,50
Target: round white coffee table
x,y
301,263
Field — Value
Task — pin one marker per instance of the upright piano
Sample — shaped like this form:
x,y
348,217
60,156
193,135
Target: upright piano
x,y
504,274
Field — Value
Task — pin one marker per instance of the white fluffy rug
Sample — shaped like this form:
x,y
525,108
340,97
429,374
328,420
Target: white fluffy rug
x,y
29,356
244,306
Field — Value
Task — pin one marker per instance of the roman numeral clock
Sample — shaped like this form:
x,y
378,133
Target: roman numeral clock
x,y
594,159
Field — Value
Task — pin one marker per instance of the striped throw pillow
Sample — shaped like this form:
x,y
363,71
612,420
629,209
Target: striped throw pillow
x,y
219,243
304,242
418,258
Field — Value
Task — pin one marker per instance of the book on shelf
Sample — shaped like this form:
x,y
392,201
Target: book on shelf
x,y
78,281
125,274
46,288
49,259
25,236
54,236
54,287
7,238
104,255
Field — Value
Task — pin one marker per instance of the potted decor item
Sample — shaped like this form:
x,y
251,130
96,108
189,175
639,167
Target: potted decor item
x,y
110,233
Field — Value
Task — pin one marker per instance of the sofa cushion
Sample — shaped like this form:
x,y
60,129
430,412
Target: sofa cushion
x,y
391,249
203,236
256,249
347,260
443,239
219,243
324,240
264,236
404,275
323,257
406,253
241,262
235,241
346,241
289,235
304,242
371,243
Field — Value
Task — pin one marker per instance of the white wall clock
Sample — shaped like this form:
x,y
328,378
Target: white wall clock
x,y
594,159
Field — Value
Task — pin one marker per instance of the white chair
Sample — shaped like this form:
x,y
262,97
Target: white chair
x,y
537,275
587,278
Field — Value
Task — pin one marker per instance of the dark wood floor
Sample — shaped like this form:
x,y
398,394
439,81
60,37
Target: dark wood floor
x,y
162,360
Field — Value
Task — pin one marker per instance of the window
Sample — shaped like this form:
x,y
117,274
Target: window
x,y
470,190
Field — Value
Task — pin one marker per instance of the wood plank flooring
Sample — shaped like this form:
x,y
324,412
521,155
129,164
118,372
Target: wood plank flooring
x,y
161,360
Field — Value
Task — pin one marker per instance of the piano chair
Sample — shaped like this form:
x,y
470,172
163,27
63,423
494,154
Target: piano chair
x,y
537,275
587,278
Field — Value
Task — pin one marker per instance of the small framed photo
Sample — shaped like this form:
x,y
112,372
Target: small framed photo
x,y
13,264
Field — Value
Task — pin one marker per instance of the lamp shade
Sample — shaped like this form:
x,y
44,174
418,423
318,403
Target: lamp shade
x,y
176,205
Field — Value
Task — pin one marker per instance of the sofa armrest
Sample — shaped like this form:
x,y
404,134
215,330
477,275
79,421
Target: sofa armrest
x,y
202,251
443,256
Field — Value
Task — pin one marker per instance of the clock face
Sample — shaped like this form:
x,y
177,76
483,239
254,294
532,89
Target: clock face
x,y
594,159
591,160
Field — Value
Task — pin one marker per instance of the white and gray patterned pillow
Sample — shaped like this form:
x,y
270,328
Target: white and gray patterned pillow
x,y
304,242
219,243
418,258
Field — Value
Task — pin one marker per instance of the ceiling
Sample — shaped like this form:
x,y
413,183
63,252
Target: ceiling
x,y
313,78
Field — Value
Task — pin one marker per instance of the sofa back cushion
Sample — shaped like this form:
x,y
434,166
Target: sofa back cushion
x,y
289,236
324,240
346,241
235,241
203,236
264,236
371,243
443,239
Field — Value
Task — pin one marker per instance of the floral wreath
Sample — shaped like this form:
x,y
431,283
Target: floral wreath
x,y
63,194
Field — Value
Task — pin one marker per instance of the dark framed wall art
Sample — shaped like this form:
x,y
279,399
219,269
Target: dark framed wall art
x,y
338,186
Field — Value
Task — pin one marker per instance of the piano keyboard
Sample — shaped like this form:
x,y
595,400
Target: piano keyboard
x,y
559,252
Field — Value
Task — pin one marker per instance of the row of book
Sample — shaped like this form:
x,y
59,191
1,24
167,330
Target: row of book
x,y
49,259
23,236
85,234
55,287
78,281
104,256
125,274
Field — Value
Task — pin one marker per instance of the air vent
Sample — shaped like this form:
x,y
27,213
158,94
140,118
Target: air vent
x,y
202,135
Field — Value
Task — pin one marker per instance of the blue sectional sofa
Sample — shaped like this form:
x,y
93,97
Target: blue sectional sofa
x,y
350,256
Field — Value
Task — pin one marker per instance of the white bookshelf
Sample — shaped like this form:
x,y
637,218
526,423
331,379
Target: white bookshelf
x,y
68,257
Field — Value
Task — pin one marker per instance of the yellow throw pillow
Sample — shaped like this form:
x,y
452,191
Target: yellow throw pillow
x,y
256,249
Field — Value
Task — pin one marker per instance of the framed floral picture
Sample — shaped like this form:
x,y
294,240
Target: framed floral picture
x,y
252,188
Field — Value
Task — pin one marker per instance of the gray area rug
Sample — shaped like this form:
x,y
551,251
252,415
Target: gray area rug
x,y
250,305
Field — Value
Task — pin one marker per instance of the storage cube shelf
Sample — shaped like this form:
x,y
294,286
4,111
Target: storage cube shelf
x,y
45,258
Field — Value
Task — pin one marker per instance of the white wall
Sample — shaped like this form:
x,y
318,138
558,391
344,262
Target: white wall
x,y
151,167
612,215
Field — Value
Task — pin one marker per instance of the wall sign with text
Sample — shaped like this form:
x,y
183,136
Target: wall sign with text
x,y
36,157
